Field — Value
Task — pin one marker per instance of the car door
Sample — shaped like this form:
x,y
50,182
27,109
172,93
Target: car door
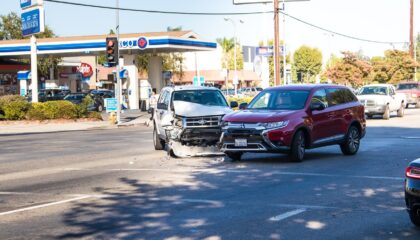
x,y
321,120
336,101
161,110
394,103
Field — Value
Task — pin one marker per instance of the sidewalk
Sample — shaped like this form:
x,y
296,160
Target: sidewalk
x,y
129,118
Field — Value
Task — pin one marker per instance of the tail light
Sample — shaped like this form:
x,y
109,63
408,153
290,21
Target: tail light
x,y
412,172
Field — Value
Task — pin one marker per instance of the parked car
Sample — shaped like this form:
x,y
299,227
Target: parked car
x,y
48,95
188,118
382,99
411,91
290,119
250,91
77,98
412,191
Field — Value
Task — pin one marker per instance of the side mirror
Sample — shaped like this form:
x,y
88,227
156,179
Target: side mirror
x,y
318,106
234,104
243,106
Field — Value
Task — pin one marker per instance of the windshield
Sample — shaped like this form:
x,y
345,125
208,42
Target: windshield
x,y
373,91
412,86
280,100
204,97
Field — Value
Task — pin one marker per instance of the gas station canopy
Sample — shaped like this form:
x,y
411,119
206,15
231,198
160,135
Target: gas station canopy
x,y
135,43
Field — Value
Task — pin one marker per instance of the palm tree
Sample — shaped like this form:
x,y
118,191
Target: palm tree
x,y
227,45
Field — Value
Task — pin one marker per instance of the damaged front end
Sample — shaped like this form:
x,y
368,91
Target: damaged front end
x,y
194,136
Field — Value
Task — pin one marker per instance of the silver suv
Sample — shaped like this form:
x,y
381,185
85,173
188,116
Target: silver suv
x,y
188,119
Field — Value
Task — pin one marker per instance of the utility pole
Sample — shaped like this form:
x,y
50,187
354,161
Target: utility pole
x,y
276,44
284,52
412,28
119,85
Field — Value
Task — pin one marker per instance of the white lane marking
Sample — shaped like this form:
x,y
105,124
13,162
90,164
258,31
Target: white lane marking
x,y
302,206
286,215
215,171
409,137
43,205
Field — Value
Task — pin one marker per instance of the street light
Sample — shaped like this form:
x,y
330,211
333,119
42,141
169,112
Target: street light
x,y
235,77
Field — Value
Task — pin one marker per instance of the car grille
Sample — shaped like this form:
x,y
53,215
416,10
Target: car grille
x,y
192,122
367,102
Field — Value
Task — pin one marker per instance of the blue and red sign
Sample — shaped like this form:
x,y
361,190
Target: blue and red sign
x,y
142,43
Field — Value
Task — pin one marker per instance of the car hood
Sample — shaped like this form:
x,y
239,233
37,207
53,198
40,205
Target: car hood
x,y
254,116
372,97
188,109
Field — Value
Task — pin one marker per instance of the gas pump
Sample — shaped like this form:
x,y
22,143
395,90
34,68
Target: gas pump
x,y
23,77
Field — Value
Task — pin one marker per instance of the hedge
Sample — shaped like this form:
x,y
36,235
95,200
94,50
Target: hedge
x,y
13,107
52,110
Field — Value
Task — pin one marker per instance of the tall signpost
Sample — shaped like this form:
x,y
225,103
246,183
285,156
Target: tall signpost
x,y
33,22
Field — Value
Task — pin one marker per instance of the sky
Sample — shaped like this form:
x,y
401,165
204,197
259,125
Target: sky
x,y
381,20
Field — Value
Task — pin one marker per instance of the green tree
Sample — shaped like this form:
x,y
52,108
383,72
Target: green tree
x,y
308,61
394,67
351,70
10,28
227,45
173,62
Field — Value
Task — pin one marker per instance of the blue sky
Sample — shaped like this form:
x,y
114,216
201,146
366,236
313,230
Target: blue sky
x,y
384,20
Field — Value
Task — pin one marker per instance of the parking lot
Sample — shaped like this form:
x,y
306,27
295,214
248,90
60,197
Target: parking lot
x,y
112,184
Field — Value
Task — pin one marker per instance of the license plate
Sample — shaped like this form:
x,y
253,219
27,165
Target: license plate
x,y
366,111
241,143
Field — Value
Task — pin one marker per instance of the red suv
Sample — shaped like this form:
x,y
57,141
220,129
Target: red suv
x,y
290,119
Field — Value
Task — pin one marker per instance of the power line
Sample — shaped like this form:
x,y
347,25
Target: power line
x,y
337,33
222,14
157,11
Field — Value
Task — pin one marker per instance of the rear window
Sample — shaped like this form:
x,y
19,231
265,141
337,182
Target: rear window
x,y
408,86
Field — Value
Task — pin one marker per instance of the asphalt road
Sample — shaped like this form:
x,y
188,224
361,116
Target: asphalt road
x,y
111,184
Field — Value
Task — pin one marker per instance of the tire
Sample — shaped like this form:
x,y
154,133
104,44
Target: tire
x,y
297,151
100,108
407,105
400,112
418,105
157,142
234,156
352,142
387,113
414,217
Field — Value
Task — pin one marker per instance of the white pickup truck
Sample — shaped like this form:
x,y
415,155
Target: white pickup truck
x,y
381,99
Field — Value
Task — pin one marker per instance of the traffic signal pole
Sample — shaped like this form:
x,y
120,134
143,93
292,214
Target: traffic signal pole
x,y
118,87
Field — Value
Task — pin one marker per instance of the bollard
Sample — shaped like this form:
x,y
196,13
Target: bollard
x,y
113,118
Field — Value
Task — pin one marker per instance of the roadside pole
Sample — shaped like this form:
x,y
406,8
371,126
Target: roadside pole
x,y
118,87
276,44
34,69
284,52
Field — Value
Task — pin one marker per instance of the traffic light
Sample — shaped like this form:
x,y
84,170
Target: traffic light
x,y
112,51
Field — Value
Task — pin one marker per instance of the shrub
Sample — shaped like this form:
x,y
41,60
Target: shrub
x,y
52,110
240,100
95,115
13,107
82,108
